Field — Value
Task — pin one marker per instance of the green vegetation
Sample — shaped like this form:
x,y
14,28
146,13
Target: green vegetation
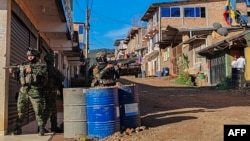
x,y
184,77
225,84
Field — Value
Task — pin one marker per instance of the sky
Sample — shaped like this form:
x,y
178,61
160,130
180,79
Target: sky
x,y
110,19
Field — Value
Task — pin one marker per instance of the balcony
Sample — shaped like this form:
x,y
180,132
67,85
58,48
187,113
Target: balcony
x,y
53,20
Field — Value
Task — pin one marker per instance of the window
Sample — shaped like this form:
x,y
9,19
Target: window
x,y
175,12
170,12
203,12
165,12
166,54
189,12
197,47
241,1
248,14
194,12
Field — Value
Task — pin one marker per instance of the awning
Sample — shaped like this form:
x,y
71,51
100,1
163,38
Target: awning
x,y
222,41
151,55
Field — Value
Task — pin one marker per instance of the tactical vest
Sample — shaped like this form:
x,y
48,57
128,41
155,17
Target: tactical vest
x,y
28,79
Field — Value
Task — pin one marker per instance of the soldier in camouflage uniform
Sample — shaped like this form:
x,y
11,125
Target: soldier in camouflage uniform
x,y
104,73
54,81
31,75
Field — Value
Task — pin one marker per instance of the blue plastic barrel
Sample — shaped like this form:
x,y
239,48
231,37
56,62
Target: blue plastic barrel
x,y
129,106
158,74
143,74
165,71
103,117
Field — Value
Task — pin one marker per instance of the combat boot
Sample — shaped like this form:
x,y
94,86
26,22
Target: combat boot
x,y
41,131
56,129
45,130
17,131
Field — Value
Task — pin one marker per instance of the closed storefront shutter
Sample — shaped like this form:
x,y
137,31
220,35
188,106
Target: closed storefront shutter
x,y
218,69
21,38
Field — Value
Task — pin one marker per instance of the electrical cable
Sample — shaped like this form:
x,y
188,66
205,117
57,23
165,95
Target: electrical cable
x,y
101,43
113,19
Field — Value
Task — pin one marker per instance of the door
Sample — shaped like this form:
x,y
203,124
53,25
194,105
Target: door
x,y
217,70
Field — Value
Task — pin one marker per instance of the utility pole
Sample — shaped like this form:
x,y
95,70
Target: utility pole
x,y
87,27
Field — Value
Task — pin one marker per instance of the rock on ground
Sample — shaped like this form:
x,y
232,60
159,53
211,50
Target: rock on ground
x,y
171,112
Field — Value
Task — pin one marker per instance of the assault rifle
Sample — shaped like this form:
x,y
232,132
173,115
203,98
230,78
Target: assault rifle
x,y
20,73
20,68
14,66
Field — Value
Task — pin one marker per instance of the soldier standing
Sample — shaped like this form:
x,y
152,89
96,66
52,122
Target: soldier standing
x,y
54,81
31,75
104,73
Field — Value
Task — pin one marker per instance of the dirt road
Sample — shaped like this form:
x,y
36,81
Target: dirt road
x,y
175,113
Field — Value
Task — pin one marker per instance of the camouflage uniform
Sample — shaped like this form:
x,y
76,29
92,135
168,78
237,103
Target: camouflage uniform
x,y
31,86
104,74
55,78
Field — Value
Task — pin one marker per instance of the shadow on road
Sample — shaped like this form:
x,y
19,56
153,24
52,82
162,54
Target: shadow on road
x,y
157,103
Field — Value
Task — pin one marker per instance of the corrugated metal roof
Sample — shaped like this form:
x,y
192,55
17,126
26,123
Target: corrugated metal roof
x,y
221,40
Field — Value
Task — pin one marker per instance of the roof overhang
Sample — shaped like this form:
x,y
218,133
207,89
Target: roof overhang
x,y
151,55
225,42
118,42
134,30
174,36
153,7
53,20
171,36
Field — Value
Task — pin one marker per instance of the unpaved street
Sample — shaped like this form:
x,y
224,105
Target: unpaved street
x,y
176,113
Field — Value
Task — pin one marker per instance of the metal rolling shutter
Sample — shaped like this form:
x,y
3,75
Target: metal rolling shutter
x,y
217,70
21,38
44,48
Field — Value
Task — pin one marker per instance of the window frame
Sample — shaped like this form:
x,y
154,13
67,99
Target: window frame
x,y
197,12
170,12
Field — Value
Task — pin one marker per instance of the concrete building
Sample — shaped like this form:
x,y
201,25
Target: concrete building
x,y
44,25
182,28
135,42
120,49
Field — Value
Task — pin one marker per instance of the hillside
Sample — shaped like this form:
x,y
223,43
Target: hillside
x,y
92,53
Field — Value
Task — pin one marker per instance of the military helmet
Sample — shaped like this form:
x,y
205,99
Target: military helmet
x,y
101,56
31,52
49,57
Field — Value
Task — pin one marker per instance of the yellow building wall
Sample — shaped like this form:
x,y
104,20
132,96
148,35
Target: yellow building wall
x,y
247,57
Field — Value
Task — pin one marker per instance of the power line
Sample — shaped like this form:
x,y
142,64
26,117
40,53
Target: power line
x,y
101,43
113,19
77,2
102,15
91,5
